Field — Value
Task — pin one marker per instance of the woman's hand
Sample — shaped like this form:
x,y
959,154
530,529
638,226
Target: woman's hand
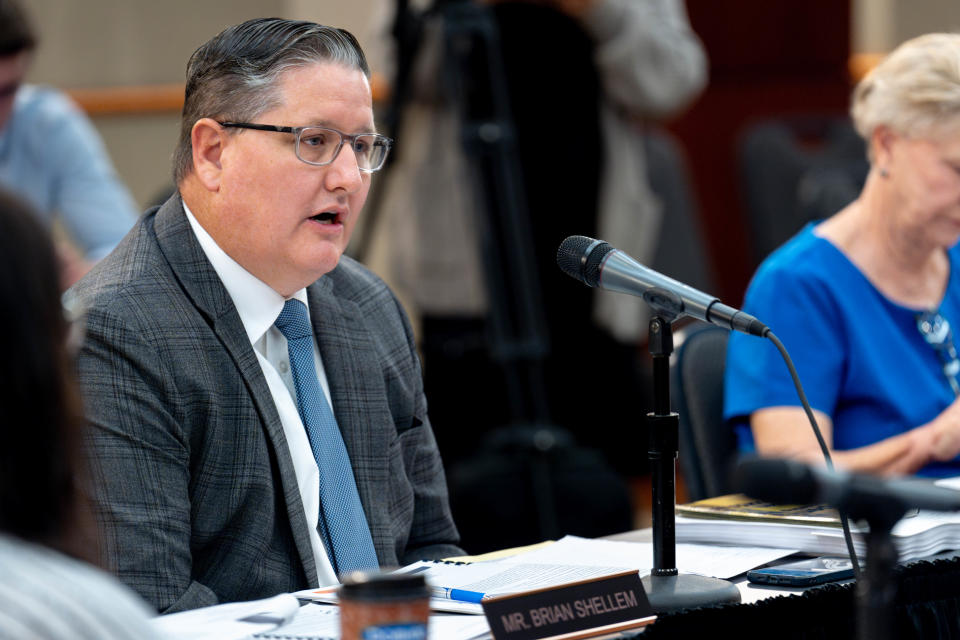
x,y
945,433
785,432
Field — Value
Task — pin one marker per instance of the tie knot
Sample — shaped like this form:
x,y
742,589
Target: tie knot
x,y
293,321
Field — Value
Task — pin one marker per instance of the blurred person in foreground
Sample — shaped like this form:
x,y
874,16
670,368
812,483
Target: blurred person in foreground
x,y
45,593
51,156
865,300
256,403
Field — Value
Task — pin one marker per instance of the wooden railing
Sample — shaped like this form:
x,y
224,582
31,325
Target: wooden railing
x,y
159,98
168,98
860,63
109,101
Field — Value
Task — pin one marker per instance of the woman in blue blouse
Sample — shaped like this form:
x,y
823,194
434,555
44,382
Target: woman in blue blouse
x,y
864,301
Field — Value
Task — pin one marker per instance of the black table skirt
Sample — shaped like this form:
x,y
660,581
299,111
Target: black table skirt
x,y
928,606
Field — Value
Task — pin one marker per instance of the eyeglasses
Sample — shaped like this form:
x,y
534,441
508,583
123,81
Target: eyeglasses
x,y
935,329
319,146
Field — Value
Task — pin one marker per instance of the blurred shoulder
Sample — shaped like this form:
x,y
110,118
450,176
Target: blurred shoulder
x,y
804,257
45,594
41,103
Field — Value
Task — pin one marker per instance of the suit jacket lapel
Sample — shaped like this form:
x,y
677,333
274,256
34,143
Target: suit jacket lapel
x,y
356,385
201,282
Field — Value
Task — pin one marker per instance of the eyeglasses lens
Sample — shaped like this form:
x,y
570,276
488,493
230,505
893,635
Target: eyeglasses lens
x,y
319,146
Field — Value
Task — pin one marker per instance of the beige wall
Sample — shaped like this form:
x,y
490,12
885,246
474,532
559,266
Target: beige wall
x,y
914,17
880,25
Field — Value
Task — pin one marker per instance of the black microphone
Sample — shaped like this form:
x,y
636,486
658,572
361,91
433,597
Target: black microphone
x,y
791,482
597,264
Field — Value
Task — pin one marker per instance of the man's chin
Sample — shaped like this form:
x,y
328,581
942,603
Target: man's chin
x,y
323,263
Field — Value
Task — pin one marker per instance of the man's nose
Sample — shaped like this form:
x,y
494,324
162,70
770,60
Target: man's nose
x,y
344,172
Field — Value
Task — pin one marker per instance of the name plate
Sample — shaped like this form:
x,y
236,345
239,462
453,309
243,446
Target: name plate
x,y
575,610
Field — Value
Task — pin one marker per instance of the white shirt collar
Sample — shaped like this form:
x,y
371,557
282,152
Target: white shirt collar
x,y
256,302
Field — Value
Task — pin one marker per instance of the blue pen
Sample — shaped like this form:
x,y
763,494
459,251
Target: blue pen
x,y
458,594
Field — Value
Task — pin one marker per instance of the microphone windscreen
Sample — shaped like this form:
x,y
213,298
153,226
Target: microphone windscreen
x,y
775,480
580,258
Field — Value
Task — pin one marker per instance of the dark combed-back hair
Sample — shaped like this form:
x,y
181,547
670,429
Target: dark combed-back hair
x,y
16,32
234,75
40,417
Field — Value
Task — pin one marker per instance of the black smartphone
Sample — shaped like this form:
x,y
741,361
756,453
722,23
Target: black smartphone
x,y
803,573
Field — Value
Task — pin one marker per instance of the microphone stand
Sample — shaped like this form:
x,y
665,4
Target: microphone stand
x,y
876,590
666,588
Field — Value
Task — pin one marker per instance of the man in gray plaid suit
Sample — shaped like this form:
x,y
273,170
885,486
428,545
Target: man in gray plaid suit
x,y
205,463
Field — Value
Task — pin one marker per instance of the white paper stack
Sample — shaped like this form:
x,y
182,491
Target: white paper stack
x,y
920,534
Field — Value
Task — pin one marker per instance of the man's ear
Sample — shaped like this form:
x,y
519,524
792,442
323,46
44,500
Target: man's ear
x,y
208,138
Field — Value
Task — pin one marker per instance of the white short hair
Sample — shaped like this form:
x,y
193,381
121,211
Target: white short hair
x,y
915,91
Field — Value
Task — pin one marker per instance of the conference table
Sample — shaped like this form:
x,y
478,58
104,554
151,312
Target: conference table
x,y
926,605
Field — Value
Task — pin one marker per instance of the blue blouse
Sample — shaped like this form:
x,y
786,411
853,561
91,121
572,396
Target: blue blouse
x,y
861,357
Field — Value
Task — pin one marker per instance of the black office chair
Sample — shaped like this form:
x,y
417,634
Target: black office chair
x,y
797,169
707,445
681,251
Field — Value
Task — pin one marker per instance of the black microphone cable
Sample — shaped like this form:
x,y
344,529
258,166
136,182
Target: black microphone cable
x,y
844,521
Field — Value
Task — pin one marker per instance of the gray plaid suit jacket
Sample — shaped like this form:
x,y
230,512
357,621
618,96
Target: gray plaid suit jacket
x,y
192,479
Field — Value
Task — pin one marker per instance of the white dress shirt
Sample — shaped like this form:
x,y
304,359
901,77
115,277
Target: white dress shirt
x,y
259,305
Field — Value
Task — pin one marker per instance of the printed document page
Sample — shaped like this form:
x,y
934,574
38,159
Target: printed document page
x,y
708,560
572,559
231,621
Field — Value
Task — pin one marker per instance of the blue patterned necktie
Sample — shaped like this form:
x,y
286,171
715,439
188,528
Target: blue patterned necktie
x,y
343,525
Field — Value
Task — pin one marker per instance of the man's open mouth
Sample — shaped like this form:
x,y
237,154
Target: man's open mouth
x,y
327,217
